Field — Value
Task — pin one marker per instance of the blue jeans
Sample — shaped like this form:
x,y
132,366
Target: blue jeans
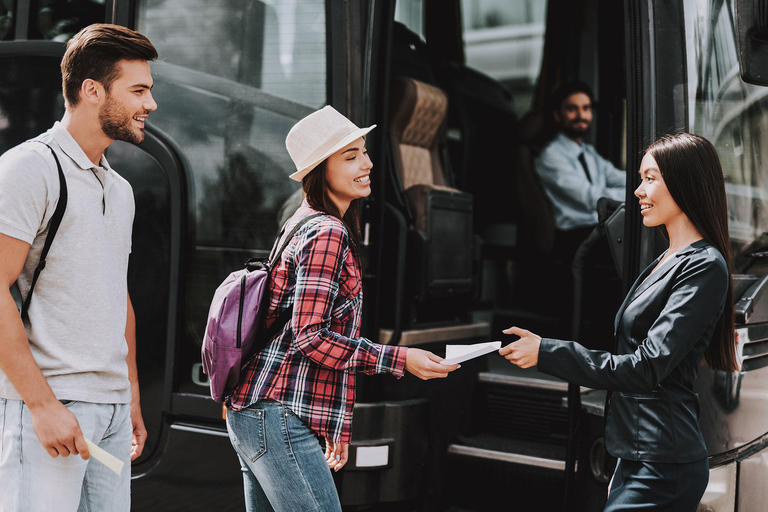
x,y
283,464
33,481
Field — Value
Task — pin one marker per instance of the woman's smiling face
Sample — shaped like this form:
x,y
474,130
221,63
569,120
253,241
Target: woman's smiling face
x,y
348,174
656,204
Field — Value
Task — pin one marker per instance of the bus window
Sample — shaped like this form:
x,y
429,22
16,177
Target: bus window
x,y
505,40
59,21
734,116
232,79
411,14
6,21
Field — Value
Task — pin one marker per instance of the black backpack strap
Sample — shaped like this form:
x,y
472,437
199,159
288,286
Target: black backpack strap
x,y
285,316
276,257
53,227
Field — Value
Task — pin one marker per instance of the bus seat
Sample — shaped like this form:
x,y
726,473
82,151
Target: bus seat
x,y
537,231
440,214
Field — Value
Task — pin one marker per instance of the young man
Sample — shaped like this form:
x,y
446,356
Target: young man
x,y
574,176
68,370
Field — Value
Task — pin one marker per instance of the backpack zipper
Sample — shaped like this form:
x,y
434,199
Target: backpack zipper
x,y
240,312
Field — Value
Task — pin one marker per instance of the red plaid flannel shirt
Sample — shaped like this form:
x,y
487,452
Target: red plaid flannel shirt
x,y
310,365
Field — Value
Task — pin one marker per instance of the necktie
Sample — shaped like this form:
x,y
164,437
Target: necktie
x,y
583,162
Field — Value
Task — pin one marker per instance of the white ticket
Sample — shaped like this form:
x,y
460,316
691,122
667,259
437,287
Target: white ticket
x,y
105,457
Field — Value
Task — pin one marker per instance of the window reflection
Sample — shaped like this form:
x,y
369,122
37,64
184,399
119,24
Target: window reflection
x,y
59,20
6,20
232,78
734,116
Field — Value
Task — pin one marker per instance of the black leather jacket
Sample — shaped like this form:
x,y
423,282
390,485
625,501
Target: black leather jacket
x,y
662,329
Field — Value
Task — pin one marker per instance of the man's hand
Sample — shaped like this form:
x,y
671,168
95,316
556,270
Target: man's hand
x,y
523,352
139,431
58,430
426,365
336,454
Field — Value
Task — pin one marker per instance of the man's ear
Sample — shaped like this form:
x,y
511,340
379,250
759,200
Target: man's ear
x,y
557,117
91,91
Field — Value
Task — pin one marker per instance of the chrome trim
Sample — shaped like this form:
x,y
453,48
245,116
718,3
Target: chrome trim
x,y
199,430
414,337
514,458
527,382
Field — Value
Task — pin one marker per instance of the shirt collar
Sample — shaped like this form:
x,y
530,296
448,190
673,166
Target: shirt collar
x,y
571,148
72,149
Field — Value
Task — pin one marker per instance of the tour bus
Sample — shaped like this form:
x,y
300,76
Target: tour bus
x,y
456,236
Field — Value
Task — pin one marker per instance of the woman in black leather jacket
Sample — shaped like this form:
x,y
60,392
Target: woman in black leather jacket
x,y
679,309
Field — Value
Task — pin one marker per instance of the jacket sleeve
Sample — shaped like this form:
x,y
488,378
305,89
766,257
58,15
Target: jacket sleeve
x,y
693,307
321,252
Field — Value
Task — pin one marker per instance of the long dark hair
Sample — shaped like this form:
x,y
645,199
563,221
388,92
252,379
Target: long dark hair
x,y
692,172
315,187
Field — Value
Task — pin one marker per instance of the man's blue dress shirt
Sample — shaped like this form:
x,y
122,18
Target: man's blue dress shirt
x,y
573,197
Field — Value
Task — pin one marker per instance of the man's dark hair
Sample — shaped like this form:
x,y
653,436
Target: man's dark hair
x,y
563,91
94,53
694,177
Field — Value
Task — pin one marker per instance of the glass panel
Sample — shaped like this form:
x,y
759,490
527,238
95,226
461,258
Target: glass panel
x,y
505,40
30,98
232,79
59,21
411,14
7,21
734,116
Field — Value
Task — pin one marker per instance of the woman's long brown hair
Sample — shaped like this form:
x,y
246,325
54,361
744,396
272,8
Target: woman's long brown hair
x,y
693,174
315,187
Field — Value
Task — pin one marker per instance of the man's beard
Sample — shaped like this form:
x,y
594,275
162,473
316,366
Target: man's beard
x,y
572,131
116,126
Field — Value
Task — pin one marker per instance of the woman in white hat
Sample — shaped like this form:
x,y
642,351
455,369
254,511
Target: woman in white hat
x,y
301,386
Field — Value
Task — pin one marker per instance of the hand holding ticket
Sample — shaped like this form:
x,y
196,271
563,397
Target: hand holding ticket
x,y
104,457
455,354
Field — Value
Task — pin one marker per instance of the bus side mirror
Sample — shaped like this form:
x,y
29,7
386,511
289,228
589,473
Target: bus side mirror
x,y
752,39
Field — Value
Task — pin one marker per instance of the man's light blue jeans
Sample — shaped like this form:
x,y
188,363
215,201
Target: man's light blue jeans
x,y
33,481
284,468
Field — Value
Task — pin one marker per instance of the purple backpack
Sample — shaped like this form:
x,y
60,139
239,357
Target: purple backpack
x,y
235,328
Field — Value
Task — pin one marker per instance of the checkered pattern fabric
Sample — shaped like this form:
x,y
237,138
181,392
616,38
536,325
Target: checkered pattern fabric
x,y
310,364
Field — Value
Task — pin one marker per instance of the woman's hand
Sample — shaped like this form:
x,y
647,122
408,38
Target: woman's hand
x,y
426,365
336,454
523,352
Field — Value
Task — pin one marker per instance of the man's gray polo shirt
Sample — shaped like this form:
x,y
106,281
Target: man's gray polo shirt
x,y
77,316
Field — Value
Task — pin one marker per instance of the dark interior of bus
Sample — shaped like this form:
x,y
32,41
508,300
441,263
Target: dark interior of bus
x,y
459,174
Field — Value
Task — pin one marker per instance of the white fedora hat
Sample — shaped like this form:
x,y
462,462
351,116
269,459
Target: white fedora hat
x,y
318,136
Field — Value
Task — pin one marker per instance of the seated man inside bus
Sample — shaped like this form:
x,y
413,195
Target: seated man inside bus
x,y
573,175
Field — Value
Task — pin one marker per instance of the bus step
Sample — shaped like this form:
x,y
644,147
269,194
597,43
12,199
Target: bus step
x,y
542,454
494,473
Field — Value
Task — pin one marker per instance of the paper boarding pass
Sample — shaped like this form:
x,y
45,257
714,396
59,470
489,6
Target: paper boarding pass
x,y
105,457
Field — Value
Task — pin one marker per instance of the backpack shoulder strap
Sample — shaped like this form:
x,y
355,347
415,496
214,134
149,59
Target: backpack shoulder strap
x,y
288,239
285,316
53,227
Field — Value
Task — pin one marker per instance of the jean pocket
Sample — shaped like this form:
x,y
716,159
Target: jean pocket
x,y
67,403
248,435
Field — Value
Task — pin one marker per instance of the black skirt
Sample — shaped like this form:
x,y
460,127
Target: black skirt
x,y
657,487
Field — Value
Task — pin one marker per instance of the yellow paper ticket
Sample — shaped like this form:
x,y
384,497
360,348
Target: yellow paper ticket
x,y
105,457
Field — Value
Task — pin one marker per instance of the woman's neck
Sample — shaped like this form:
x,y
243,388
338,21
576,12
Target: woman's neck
x,y
682,233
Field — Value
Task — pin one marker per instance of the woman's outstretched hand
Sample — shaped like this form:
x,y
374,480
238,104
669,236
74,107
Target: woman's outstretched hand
x,y
523,352
426,365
